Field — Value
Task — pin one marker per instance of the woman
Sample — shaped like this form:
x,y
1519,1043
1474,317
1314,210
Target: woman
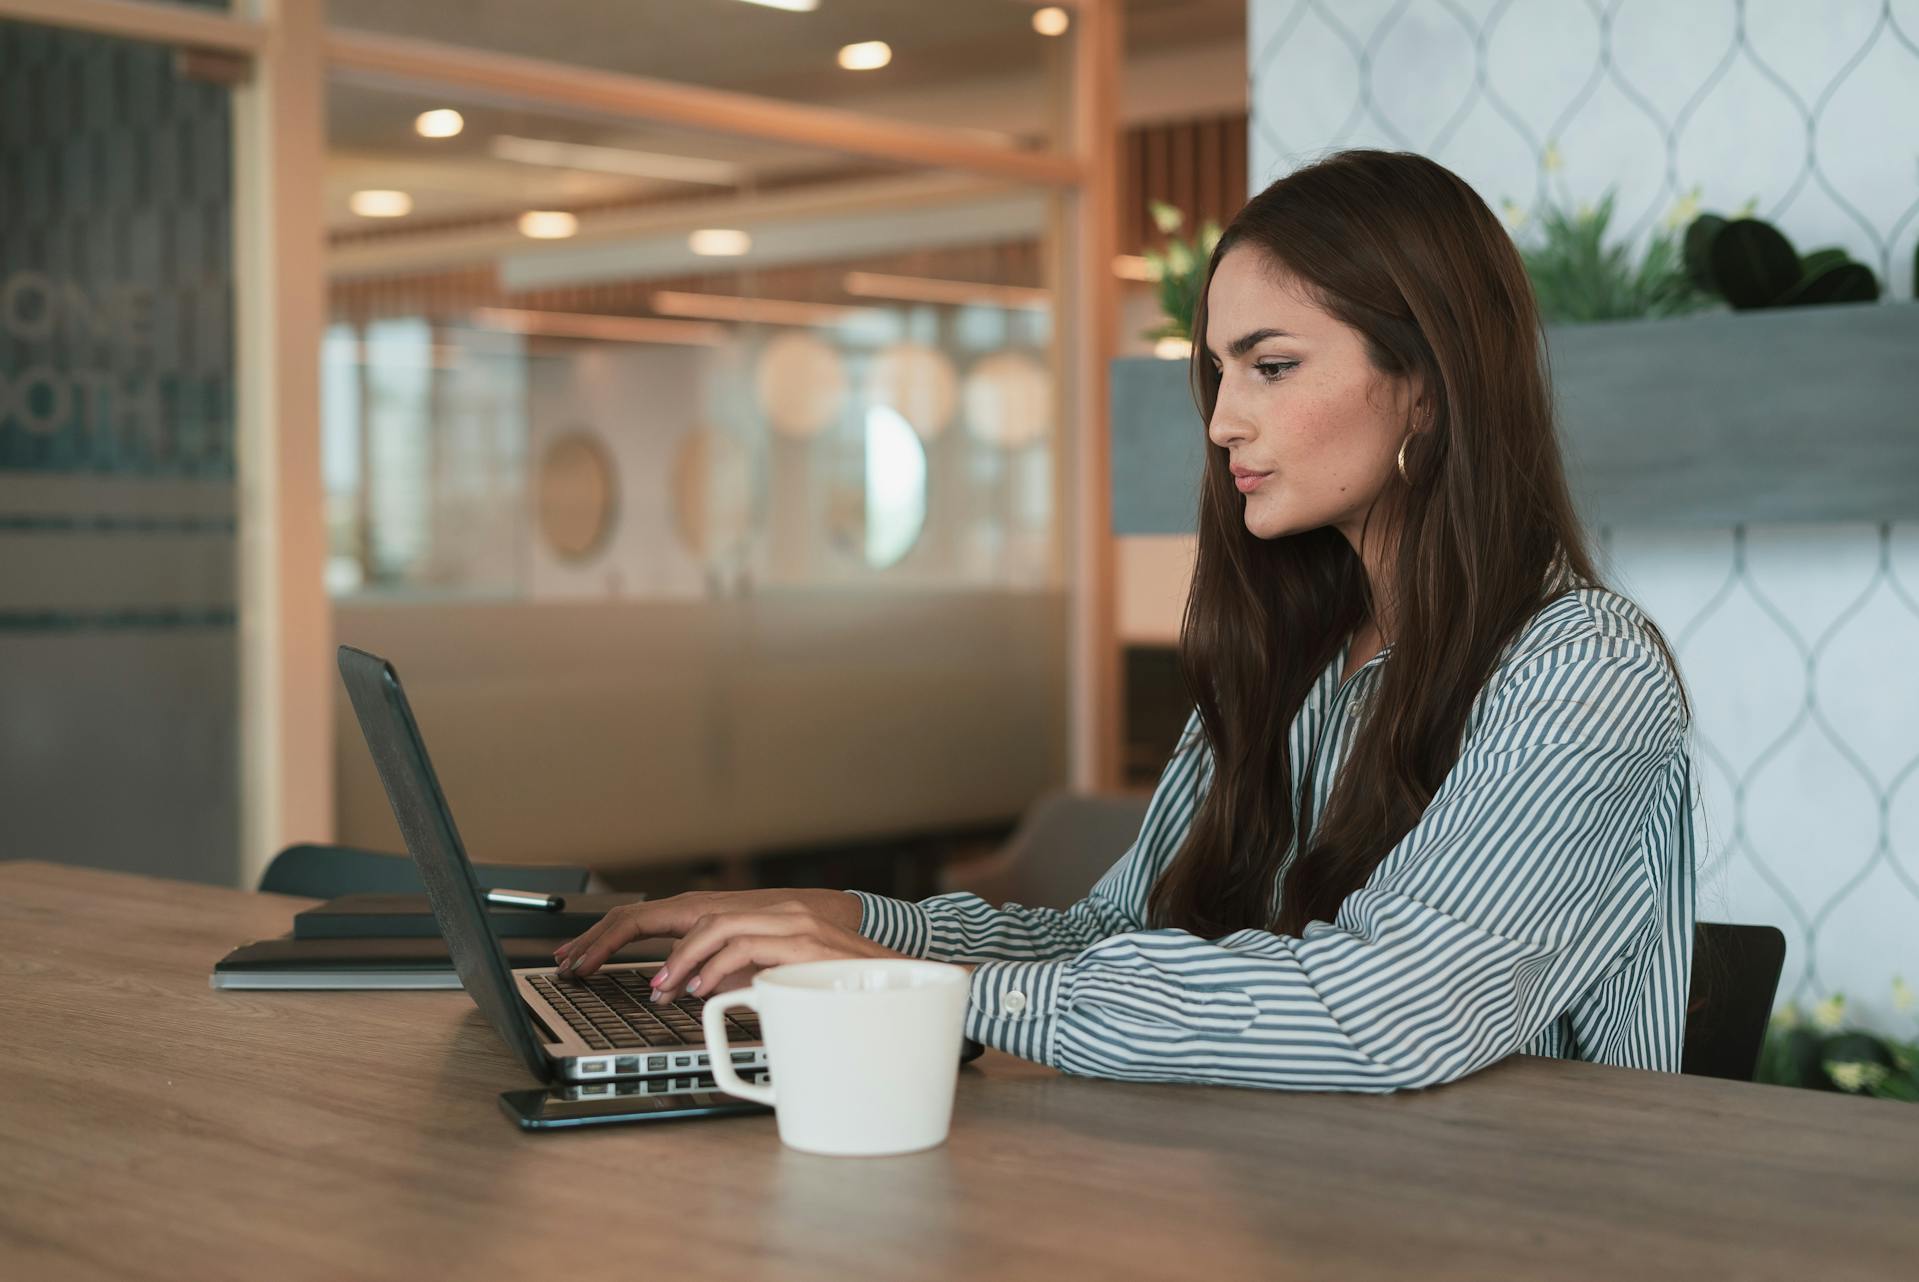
x,y
1502,859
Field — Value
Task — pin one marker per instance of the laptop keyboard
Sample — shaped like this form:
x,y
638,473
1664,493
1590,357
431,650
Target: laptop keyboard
x,y
615,1011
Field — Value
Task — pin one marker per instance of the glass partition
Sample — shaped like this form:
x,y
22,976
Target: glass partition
x,y
118,653
573,357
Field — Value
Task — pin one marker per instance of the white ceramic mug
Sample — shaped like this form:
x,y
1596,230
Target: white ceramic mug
x,y
863,1052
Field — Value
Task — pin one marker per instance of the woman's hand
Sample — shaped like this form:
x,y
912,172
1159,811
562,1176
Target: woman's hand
x,y
726,936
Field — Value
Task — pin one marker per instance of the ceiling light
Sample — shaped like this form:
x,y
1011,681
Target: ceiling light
x,y
760,311
548,224
1050,21
869,55
796,6
618,329
924,289
720,242
614,160
380,204
441,122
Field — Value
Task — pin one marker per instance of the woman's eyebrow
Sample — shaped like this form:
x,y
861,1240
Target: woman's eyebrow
x,y
1246,342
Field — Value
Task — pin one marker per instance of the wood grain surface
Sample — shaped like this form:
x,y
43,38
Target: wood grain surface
x,y
151,1127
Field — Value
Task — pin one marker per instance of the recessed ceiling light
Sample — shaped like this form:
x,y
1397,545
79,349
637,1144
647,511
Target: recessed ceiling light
x,y
380,204
441,122
868,55
797,6
615,160
1051,21
548,224
720,242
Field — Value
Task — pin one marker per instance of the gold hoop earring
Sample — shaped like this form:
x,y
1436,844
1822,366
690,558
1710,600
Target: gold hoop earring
x,y
1402,451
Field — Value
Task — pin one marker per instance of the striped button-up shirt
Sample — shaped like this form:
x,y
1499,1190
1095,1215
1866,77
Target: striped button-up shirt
x,y
1544,902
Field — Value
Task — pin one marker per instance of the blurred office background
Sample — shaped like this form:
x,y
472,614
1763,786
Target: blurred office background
x,y
705,408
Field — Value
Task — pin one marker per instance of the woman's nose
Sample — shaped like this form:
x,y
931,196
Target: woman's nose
x,y
1224,430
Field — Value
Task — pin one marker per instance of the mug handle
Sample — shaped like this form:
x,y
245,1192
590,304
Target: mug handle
x,y
718,1054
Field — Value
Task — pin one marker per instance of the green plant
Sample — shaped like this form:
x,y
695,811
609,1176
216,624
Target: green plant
x,y
1577,277
1751,264
1178,269
1824,1053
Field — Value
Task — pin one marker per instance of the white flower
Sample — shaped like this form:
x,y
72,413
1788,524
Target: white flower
x,y
1854,1075
1684,210
1550,161
1901,994
1830,1013
1515,216
1166,218
1179,259
1787,1017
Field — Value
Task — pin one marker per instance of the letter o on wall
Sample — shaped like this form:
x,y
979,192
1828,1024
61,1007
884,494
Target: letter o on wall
x,y
16,315
18,404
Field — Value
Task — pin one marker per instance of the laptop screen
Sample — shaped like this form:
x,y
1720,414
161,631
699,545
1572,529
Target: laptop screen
x,y
426,824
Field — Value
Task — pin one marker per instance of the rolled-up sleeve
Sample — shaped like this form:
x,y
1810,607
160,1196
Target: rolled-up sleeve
x,y
1528,879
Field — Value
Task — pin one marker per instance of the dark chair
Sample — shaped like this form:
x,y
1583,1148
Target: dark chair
x,y
1064,843
322,872
1735,975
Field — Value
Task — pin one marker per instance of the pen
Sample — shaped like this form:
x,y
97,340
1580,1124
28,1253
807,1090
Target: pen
x,y
525,899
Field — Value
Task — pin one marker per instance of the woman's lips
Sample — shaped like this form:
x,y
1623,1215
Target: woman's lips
x,y
1246,484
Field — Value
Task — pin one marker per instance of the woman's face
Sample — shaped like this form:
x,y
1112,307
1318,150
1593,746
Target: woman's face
x,y
1299,403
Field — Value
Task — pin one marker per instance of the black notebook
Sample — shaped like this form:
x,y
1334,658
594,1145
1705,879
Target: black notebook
x,y
408,916
287,962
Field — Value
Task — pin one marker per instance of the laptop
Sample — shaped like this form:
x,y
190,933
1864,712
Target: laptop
x,y
603,1027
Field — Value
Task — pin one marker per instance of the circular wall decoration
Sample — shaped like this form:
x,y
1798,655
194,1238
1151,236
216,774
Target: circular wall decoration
x,y
801,383
578,495
1009,400
876,510
918,383
712,493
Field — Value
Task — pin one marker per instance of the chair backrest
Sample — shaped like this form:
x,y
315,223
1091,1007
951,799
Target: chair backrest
x,y
1735,975
323,872
1064,843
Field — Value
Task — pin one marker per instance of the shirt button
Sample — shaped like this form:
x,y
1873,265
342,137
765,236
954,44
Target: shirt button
x,y
1013,1003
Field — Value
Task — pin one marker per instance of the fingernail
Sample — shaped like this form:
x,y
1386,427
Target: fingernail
x,y
659,978
694,986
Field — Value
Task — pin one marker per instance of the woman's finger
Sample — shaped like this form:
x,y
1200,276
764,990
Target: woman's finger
x,y
742,955
616,930
579,943
709,935
645,920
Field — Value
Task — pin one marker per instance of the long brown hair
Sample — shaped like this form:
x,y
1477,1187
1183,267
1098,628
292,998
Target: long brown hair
x,y
1403,251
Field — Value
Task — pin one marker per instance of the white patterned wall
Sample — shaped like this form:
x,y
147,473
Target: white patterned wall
x,y
1799,644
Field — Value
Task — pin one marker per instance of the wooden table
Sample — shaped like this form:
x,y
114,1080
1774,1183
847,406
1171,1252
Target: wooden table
x,y
152,1127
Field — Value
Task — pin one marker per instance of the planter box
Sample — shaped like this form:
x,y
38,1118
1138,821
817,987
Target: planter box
x,y
1796,414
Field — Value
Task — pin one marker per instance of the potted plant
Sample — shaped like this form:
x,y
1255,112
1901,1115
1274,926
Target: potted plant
x,y
1825,1052
1177,269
